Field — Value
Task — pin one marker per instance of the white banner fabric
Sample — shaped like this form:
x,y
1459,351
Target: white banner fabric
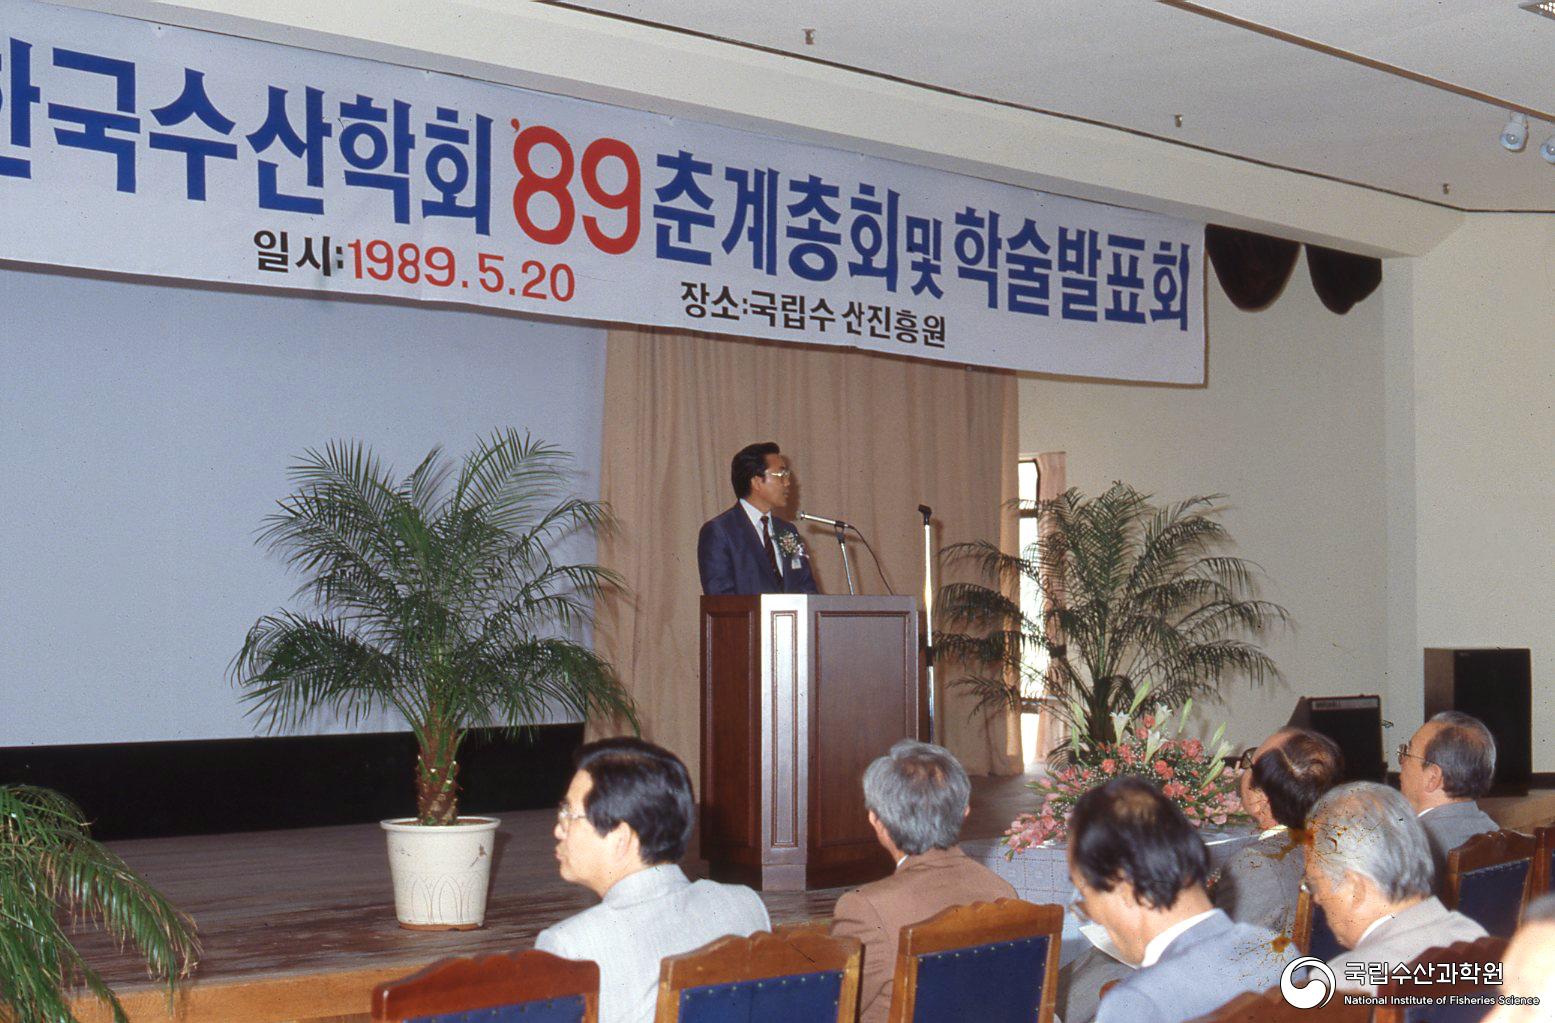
x,y
142,148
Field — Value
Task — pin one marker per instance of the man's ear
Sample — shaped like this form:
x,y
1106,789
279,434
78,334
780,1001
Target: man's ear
x,y
625,846
1431,777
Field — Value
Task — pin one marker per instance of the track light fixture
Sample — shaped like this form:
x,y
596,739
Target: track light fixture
x,y
1548,150
1515,135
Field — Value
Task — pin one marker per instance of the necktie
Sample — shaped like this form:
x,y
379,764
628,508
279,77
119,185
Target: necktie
x,y
766,539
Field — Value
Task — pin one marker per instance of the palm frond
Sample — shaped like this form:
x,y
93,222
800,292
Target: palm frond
x,y
1136,597
51,869
440,596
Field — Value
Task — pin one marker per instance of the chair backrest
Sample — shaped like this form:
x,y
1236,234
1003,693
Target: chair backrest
x,y
796,973
1271,1007
1464,968
1310,932
523,987
1487,880
996,962
1543,863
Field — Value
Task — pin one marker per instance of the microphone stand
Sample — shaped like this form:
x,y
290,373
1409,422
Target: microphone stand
x,y
847,566
928,609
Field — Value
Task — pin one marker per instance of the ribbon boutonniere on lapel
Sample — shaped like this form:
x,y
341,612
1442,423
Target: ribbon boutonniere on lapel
x,y
792,547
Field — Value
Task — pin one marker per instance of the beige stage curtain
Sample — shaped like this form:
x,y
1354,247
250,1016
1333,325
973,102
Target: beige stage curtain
x,y
869,439
1052,732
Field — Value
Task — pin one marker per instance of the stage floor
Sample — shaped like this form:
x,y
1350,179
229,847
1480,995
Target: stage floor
x,y
278,909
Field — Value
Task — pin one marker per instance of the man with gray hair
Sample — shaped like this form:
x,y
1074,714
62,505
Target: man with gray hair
x,y
917,795
1370,870
1442,770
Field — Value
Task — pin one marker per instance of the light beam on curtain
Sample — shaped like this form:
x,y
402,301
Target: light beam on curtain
x,y
869,438
1052,732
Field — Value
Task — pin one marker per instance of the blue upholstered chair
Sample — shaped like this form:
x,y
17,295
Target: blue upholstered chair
x,y
995,962
524,987
1434,964
1310,931
790,975
1487,880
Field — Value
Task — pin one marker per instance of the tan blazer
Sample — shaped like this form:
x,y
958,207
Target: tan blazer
x,y
922,886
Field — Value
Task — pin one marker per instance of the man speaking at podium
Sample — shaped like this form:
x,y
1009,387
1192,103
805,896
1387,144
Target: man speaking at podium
x,y
748,549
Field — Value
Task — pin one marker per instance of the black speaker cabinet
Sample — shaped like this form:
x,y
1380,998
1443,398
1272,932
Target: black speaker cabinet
x,y
1494,684
1355,725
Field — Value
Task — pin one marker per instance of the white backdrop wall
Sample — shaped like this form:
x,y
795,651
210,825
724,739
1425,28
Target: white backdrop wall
x,y
146,430
1290,426
1481,383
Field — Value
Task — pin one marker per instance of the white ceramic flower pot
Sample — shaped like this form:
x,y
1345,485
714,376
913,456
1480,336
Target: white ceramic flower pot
x,y
441,874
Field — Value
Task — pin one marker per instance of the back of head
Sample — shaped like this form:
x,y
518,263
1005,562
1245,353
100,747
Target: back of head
x,y
1465,751
1293,774
748,462
920,792
1371,830
645,786
1126,830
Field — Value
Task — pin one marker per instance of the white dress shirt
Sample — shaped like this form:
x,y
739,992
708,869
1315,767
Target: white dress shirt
x,y
1158,944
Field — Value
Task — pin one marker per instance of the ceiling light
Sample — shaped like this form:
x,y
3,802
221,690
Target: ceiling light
x,y
1515,135
1544,7
1548,149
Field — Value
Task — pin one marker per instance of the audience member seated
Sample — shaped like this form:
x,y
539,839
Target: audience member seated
x,y
620,832
1139,868
1260,884
1530,967
1370,870
1442,770
917,796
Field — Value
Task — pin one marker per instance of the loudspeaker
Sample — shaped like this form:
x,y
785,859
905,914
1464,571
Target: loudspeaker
x,y
1355,725
1494,684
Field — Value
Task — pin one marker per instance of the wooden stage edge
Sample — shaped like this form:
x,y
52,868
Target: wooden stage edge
x,y
299,925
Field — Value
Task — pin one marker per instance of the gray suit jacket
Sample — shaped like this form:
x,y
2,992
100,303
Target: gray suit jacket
x,y
649,915
1448,827
1259,884
1425,925
1202,969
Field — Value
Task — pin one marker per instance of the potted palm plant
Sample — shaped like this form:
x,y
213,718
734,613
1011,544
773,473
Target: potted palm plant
x,y
443,597
52,871
1135,598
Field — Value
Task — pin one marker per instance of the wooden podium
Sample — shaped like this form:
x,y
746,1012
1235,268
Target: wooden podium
x,y
799,694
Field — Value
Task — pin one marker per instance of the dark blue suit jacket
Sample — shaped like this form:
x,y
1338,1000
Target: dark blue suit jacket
x,y
731,557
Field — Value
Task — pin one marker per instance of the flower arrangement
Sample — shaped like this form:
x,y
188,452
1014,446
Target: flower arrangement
x,y
790,544
1190,773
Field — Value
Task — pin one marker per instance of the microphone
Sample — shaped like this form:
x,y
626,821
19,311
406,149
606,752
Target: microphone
x,y
834,523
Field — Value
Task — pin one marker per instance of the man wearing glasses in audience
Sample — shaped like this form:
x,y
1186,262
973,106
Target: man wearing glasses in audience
x,y
749,549
1442,770
1369,869
620,832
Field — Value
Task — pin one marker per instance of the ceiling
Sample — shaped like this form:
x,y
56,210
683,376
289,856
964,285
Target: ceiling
x,y
1139,65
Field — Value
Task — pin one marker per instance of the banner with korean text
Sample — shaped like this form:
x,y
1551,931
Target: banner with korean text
x,y
141,148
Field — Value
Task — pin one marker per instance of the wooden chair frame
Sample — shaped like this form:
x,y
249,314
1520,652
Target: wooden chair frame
x,y
1301,924
801,948
1489,949
978,923
464,984
1271,1007
1539,873
1488,850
